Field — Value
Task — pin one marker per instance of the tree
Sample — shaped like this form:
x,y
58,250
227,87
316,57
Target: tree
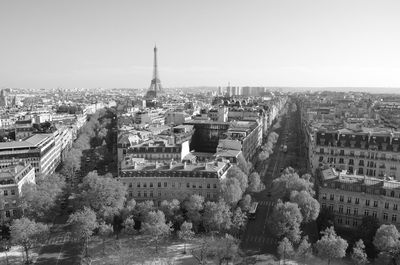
x,y
254,182
217,216
225,248
193,205
39,200
230,190
304,249
387,239
368,227
286,220
309,207
243,165
238,221
106,196
5,244
83,223
325,219
359,256
72,161
156,227
142,209
237,173
245,202
129,225
285,249
172,211
366,231
105,231
202,253
264,155
331,246
290,181
186,233
28,233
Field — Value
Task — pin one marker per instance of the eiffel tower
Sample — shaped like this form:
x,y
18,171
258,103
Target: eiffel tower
x,y
155,85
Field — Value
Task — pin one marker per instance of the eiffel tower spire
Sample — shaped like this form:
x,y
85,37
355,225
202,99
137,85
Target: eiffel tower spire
x,y
155,85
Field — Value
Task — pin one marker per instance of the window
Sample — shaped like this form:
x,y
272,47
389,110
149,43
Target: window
x,y
173,184
165,184
200,186
348,211
145,194
208,185
355,211
330,207
341,198
159,194
357,201
355,223
7,213
151,194
145,185
332,197
367,202
139,194
339,220
208,195
12,192
395,207
159,184
347,222
151,184
130,185
348,199
386,205
375,203
374,214
130,194
385,216
5,192
138,184
324,196
394,218
392,193
215,185
340,208
194,185
366,212
188,185
14,212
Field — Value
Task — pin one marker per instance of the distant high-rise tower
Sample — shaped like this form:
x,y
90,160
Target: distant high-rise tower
x,y
155,86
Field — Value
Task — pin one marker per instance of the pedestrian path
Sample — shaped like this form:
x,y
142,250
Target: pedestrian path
x,y
58,239
266,203
261,240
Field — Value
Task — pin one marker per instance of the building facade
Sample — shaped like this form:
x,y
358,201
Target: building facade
x,y
11,180
351,197
166,181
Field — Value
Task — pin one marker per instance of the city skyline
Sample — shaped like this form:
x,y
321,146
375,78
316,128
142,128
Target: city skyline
x,y
265,43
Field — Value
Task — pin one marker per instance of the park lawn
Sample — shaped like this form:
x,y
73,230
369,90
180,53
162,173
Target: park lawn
x,y
16,255
139,250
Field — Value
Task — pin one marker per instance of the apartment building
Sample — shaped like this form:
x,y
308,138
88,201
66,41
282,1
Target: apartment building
x,y
165,181
40,150
351,197
371,152
11,180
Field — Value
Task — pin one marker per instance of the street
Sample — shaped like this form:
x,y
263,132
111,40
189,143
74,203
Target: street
x,y
258,237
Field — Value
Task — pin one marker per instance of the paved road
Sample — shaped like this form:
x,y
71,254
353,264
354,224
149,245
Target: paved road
x,y
59,249
258,237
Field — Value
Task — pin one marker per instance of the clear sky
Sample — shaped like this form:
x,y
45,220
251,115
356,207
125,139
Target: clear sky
x,y
81,43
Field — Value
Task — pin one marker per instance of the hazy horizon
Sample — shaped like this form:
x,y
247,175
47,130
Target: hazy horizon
x,y
287,43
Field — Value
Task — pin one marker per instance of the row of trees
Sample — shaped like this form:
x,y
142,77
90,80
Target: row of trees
x,y
267,148
40,202
297,207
